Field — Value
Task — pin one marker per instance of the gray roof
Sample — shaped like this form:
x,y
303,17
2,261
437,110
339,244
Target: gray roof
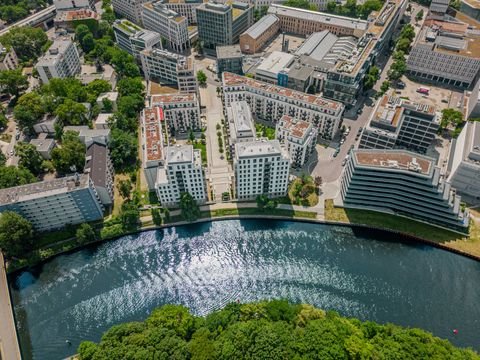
x,y
275,62
240,115
300,72
317,45
55,52
261,26
229,51
179,154
259,147
42,144
97,163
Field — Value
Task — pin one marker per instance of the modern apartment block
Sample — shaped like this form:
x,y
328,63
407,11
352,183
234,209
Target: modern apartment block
x,y
129,9
261,168
240,124
53,204
182,173
399,123
152,143
134,39
403,183
254,39
60,61
270,102
446,53
298,137
185,8
221,24
181,111
99,167
229,58
345,80
74,4
170,25
8,59
169,68
464,161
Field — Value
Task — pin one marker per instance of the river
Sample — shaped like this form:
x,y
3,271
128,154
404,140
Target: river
x,y
204,266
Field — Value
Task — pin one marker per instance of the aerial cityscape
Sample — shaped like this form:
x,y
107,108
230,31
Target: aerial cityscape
x,y
245,179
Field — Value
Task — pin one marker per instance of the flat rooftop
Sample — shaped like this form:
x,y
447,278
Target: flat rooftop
x,y
230,79
152,137
97,163
229,52
179,154
295,127
77,14
55,52
172,98
43,189
394,160
259,147
275,62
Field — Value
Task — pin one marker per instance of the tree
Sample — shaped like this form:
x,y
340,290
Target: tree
x,y
131,105
201,77
371,78
403,44
12,13
85,233
88,43
219,90
13,82
30,158
409,8
264,203
385,86
97,87
123,149
16,234
451,117
70,157
191,136
72,113
397,69
131,86
129,215
419,15
331,7
81,31
11,176
29,110
124,188
189,208
27,42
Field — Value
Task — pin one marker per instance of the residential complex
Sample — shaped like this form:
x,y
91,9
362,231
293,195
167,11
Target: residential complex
x,y
170,25
221,24
397,122
182,173
129,9
152,143
169,68
100,169
134,39
447,52
180,111
240,124
261,168
229,58
254,39
464,164
60,61
8,59
270,102
298,137
403,183
52,204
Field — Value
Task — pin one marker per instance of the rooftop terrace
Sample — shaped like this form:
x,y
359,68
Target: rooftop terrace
x,y
395,160
151,118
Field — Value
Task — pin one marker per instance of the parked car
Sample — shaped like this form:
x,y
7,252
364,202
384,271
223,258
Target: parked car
x,y
336,153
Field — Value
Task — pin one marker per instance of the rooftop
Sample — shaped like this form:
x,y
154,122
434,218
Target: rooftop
x,y
229,51
172,98
214,6
43,189
97,163
110,95
295,127
103,118
153,142
261,26
127,26
259,147
275,63
395,160
230,79
179,154
183,62
55,52
241,118
77,14
160,8
42,144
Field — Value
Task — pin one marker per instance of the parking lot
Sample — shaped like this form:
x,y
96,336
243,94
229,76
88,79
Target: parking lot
x,y
294,41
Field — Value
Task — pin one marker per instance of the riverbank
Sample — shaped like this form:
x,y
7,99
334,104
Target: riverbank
x,y
406,229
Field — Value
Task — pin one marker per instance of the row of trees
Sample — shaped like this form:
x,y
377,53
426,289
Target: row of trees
x,y
272,329
404,43
351,9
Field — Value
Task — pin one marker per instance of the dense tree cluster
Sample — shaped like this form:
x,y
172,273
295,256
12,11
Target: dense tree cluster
x,y
265,330
16,234
301,4
404,43
70,156
351,9
371,77
14,10
29,43
189,207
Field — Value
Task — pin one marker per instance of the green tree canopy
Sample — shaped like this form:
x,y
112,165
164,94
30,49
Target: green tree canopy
x,y
13,82
130,86
125,188
29,110
70,156
189,207
72,113
27,42
131,105
123,149
451,117
13,176
85,233
30,158
16,234
201,77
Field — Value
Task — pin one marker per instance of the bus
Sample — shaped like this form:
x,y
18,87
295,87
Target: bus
x,y
423,90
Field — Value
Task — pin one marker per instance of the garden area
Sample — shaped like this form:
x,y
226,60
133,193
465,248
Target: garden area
x,y
303,191
265,131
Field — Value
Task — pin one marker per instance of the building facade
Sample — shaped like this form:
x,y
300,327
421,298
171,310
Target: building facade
x,y
298,137
60,61
240,124
99,167
254,39
53,204
404,183
464,162
8,59
171,26
185,8
169,68
180,111
129,9
400,123
229,58
74,4
269,103
182,173
134,39
261,168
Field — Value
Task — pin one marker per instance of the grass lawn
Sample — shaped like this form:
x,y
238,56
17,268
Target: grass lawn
x,y
117,199
310,200
387,221
265,131
203,149
255,211
470,245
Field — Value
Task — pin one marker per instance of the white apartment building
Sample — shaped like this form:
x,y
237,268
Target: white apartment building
x,y
53,204
464,162
134,39
74,4
298,137
169,68
270,102
152,143
129,9
185,8
60,61
182,173
170,25
8,59
181,111
240,124
261,168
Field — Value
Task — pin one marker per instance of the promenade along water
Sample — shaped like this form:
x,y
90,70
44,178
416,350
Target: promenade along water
x,y
205,266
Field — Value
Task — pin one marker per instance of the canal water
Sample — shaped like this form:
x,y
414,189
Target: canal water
x,y
205,266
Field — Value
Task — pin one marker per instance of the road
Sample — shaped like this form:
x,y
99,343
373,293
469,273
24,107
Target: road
x,y
9,348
